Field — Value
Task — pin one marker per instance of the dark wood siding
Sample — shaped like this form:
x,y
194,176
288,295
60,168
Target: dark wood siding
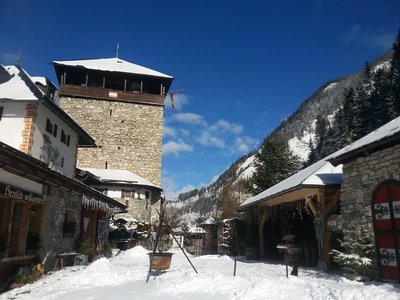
x,y
102,93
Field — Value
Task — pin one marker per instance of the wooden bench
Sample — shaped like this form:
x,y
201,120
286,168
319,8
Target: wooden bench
x,y
60,259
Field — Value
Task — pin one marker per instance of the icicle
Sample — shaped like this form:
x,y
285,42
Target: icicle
x,y
306,208
299,210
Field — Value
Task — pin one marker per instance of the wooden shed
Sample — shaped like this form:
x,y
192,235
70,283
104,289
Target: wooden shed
x,y
302,204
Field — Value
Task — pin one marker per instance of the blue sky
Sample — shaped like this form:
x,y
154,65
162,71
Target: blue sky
x,y
244,65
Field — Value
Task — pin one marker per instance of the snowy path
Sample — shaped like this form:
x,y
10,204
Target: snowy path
x,y
123,277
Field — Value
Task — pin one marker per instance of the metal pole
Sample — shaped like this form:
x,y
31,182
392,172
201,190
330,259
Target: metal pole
x,y
163,203
180,247
183,251
287,271
234,269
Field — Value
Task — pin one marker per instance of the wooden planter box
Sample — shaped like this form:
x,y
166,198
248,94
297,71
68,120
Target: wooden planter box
x,y
160,261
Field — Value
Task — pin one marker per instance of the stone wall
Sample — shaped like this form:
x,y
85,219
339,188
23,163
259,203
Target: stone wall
x,y
129,135
52,238
360,178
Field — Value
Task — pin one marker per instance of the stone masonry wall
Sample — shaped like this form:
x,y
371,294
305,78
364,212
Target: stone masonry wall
x,y
360,178
52,240
129,135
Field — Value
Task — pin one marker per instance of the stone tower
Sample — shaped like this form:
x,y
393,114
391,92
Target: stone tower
x,y
120,104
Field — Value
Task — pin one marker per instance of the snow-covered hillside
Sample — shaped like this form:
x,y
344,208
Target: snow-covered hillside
x,y
298,130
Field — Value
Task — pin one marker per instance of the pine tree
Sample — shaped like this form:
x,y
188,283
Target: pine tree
x,y
348,113
362,106
357,256
226,203
188,239
326,140
394,79
380,92
274,163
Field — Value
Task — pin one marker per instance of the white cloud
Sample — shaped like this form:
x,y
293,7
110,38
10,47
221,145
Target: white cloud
x,y
180,100
225,126
8,58
184,132
215,134
169,131
244,145
357,35
207,139
170,192
189,118
239,103
173,147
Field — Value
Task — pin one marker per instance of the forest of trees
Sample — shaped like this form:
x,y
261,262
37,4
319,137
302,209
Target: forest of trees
x,y
368,106
371,104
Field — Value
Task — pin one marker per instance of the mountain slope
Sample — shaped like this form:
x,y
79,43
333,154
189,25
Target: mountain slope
x,y
298,131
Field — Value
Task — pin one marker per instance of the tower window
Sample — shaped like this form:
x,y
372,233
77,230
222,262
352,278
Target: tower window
x,y
63,137
49,126
95,80
55,130
126,194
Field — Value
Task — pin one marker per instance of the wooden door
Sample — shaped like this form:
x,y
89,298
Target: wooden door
x,y
386,216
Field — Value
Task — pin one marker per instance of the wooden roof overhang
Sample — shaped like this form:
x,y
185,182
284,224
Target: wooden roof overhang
x,y
85,91
366,150
93,180
302,192
319,198
21,164
89,92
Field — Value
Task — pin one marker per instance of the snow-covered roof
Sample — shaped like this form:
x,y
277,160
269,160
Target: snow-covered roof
x,y
16,88
113,65
210,221
381,135
196,230
120,176
39,79
18,85
322,173
126,216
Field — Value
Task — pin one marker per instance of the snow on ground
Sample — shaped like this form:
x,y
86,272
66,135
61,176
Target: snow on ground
x,y
301,146
124,276
246,170
330,86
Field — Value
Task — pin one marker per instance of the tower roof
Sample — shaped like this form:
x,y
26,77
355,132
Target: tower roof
x,y
112,65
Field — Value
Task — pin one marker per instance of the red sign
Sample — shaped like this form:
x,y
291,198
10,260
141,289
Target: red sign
x,y
386,214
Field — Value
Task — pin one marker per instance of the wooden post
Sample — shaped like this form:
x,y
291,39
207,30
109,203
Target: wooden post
x,y
322,212
264,218
234,268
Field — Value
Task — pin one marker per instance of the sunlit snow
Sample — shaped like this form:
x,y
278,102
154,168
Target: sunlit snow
x,y
124,276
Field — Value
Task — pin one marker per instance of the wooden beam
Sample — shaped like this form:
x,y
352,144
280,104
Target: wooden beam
x,y
292,196
264,218
103,94
325,262
311,204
